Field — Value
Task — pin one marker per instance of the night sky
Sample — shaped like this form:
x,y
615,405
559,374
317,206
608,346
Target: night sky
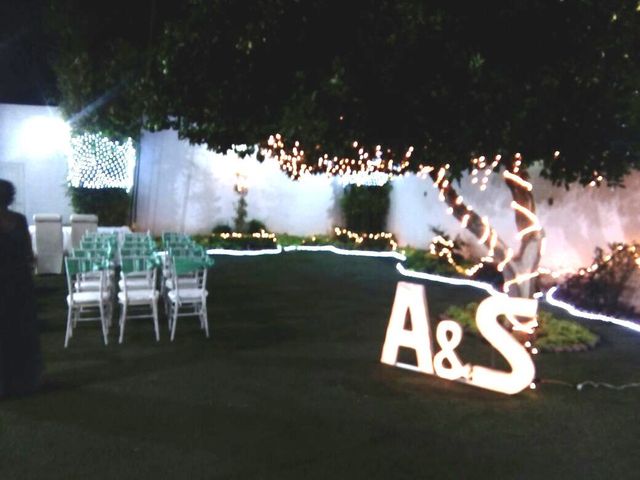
x,y
25,52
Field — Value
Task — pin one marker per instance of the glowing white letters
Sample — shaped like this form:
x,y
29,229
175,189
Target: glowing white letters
x,y
522,369
411,299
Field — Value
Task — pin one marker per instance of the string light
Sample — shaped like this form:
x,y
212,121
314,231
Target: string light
x,y
359,238
364,168
261,234
506,260
535,225
516,179
97,162
572,310
443,248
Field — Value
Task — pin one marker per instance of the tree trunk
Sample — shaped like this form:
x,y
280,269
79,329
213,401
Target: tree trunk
x,y
520,269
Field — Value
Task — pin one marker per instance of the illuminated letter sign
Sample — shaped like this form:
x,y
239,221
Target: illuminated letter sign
x,y
411,299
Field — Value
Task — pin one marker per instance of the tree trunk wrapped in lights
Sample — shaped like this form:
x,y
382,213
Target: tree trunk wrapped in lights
x,y
519,268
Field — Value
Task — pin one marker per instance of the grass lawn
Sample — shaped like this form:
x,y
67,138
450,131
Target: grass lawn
x,y
290,386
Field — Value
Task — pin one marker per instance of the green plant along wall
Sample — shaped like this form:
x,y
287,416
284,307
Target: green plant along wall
x,y
365,208
111,205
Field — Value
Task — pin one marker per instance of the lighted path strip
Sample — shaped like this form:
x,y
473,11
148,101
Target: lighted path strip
x,y
244,253
341,251
570,309
449,280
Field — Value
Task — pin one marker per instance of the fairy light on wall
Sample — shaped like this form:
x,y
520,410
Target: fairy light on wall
x,y
373,167
359,238
97,162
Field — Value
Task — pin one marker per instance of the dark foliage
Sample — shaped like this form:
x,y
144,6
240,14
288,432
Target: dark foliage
x,y
111,205
256,226
601,289
450,78
221,228
365,208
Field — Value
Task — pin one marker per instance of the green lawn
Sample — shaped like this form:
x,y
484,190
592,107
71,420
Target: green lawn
x,y
290,386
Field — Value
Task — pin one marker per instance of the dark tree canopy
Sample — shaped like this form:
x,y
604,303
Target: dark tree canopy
x,y
27,77
452,79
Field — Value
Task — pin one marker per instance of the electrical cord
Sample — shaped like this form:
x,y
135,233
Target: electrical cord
x,y
590,383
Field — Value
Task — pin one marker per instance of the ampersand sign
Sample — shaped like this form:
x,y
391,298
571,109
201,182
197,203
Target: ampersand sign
x,y
448,344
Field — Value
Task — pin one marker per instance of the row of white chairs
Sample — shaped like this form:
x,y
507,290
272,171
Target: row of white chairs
x,y
92,287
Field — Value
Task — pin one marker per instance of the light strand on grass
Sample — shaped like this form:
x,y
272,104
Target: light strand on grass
x,y
341,251
448,280
572,310
549,298
245,253
590,383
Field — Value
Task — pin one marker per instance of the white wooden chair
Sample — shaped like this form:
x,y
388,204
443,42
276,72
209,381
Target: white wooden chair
x,y
190,300
137,296
85,305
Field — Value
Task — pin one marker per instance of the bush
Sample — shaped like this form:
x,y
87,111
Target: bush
x,y
600,287
256,226
111,205
221,228
423,261
553,334
365,208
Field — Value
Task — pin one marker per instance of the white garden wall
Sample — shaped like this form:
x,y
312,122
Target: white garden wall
x,y
34,144
190,189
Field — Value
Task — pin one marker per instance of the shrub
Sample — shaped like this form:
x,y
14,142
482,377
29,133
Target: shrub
x,y
599,288
553,334
365,208
221,228
256,226
423,261
111,205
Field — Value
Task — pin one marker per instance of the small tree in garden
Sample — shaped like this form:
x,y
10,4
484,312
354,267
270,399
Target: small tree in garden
x,y
389,86
240,220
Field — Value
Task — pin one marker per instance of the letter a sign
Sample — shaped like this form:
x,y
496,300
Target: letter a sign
x,y
411,303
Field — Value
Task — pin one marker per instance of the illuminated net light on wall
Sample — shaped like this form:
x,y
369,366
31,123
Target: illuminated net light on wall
x,y
97,162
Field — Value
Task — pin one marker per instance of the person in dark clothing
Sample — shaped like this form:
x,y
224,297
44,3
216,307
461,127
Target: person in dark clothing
x,y
20,357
